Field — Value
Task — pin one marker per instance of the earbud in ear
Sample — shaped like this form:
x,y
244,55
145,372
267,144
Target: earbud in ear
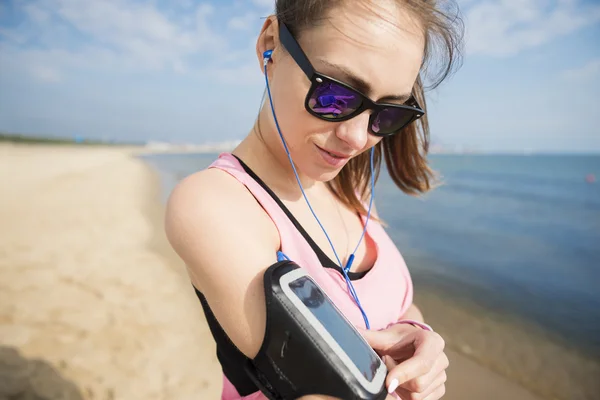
x,y
267,55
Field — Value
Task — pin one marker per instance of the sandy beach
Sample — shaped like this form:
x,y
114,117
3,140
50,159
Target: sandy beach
x,y
95,305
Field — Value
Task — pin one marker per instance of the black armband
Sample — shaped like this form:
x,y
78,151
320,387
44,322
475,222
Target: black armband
x,y
309,346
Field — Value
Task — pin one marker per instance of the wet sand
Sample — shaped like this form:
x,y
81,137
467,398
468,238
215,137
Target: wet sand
x,y
95,305
510,347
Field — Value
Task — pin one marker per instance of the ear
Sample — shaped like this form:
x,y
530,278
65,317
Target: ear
x,y
268,40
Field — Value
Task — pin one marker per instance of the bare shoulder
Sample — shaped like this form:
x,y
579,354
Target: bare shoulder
x,y
210,213
226,240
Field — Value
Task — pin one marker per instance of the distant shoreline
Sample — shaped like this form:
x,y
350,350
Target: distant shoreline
x,y
32,139
157,147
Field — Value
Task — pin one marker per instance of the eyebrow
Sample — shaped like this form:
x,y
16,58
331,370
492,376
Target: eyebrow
x,y
362,85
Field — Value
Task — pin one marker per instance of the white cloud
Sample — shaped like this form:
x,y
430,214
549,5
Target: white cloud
x,y
587,72
36,13
12,36
503,28
264,7
113,35
264,3
243,22
45,74
243,75
185,4
140,32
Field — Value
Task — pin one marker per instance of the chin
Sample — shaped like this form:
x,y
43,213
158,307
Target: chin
x,y
320,173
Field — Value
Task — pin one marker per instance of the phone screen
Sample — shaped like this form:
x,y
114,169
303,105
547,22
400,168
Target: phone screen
x,y
344,334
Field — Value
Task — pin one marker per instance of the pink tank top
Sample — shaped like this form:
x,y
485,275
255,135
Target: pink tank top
x,y
385,292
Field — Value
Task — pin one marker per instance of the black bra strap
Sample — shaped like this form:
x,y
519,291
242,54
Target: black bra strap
x,y
323,258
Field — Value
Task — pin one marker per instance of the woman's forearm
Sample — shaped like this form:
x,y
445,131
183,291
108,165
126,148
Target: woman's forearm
x,y
414,313
323,397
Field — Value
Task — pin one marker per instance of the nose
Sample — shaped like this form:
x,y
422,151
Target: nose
x,y
354,131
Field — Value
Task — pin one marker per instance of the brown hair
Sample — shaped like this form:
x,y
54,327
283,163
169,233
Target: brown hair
x,y
404,153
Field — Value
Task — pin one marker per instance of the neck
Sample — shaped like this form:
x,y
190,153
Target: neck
x,y
262,150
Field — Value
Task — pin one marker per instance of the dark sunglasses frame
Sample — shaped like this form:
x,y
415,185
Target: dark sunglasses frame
x,y
316,79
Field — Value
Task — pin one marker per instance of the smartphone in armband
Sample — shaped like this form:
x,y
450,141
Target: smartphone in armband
x,y
310,347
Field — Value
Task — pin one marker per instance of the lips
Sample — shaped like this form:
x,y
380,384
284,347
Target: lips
x,y
336,154
332,158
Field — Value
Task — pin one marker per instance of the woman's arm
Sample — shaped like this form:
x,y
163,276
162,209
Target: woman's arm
x,y
227,241
414,313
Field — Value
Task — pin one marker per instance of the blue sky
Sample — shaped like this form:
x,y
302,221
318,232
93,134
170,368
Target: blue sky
x,y
185,71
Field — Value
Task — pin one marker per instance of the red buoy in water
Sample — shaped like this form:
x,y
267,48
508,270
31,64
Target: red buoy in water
x,y
590,178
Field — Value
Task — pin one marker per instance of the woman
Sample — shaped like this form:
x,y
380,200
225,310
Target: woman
x,y
323,61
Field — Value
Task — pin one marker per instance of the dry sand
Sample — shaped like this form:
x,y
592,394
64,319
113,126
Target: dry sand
x,y
94,304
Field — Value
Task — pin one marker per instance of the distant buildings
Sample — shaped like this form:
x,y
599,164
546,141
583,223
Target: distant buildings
x,y
159,147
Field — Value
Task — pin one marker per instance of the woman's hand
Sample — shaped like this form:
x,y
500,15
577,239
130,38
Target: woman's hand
x,y
415,360
323,397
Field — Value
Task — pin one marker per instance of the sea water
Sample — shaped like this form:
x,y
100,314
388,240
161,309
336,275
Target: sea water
x,y
520,234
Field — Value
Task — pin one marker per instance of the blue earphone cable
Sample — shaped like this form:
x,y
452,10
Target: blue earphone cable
x,y
280,255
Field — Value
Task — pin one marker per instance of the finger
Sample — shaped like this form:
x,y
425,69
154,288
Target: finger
x,y
406,394
384,340
391,384
427,350
389,362
440,380
423,383
438,393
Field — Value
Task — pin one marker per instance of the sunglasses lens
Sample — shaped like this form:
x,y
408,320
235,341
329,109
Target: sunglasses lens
x,y
331,101
389,120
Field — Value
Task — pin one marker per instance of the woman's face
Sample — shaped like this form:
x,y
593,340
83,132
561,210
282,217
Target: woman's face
x,y
353,45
